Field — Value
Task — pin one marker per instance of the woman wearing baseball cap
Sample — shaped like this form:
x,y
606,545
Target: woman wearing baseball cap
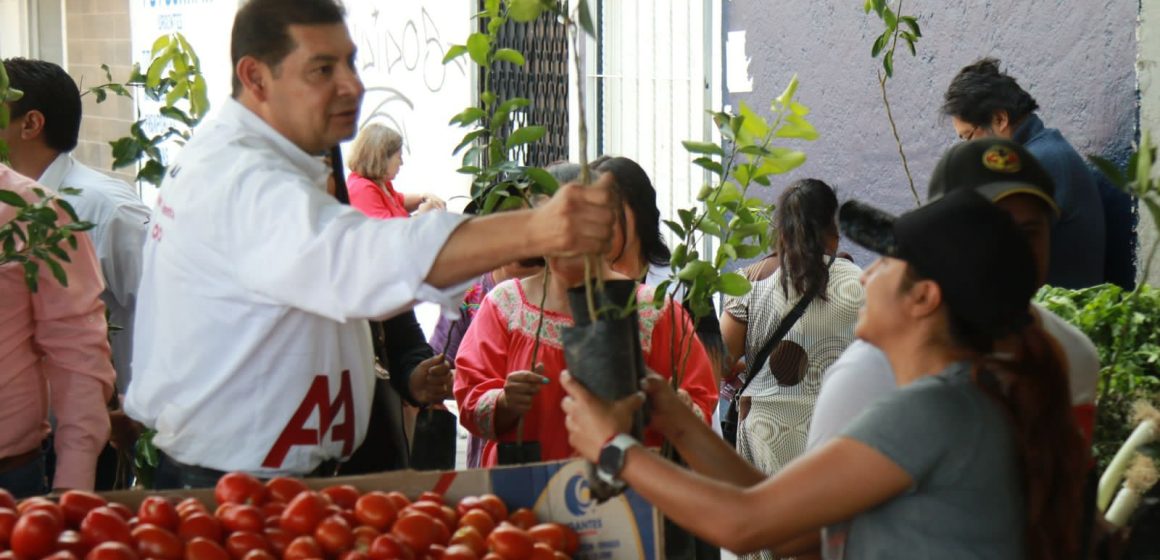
x,y
975,456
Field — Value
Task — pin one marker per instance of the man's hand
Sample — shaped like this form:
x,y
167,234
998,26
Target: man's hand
x,y
431,202
431,380
577,220
519,390
123,431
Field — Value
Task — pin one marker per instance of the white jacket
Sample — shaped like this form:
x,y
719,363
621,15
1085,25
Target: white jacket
x,y
251,348
120,222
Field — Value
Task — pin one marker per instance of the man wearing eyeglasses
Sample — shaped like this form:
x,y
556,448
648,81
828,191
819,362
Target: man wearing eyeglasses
x,y
981,102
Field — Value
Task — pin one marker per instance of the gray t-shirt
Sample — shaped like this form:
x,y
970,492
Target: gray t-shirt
x,y
957,444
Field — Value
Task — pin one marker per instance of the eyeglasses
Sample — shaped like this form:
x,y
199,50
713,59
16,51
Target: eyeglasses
x,y
970,135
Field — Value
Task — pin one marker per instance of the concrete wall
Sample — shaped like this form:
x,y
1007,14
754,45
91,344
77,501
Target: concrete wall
x,y
1076,58
98,33
1148,68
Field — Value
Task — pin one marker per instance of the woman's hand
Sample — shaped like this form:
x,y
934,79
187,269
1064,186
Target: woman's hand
x,y
431,380
431,202
519,390
669,411
591,422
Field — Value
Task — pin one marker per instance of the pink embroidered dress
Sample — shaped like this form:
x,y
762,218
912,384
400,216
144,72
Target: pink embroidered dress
x,y
500,341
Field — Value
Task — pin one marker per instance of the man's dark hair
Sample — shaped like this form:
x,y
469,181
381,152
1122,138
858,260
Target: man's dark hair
x,y
49,89
262,29
980,89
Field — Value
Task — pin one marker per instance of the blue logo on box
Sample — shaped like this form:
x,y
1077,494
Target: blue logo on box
x,y
578,495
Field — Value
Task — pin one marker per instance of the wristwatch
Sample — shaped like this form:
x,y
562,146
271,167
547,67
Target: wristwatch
x,y
612,457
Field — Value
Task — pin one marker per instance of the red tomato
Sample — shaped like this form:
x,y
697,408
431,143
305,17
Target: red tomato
x,y
523,518
494,506
363,537
122,510
190,506
431,497
78,503
111,551
200,524
42,504
433,509
435,552
551,534
241,543
257,554
541,551
375,509
571,541
103,524
8,519
302,548
279,540
159,511
471,538
343,495
466,504
417,530
6,500
562,556
204,549
274,509
354,555
35,533
283,489
239,488
61,555
492,556
154,542
304,513
241,517
333,535
511,542
460,552
399,500
71,541
389,547
480,519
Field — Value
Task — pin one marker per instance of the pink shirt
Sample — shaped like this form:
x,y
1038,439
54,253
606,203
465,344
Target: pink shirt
x,y
375,201
55,338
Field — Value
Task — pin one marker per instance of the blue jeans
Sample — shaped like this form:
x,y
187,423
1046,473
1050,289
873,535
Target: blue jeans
x,y
171,475
26,480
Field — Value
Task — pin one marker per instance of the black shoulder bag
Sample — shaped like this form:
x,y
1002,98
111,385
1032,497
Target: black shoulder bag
x,y
729,422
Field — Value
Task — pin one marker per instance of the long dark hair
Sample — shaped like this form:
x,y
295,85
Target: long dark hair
x,y
636,190
980,89
1035,393
804,219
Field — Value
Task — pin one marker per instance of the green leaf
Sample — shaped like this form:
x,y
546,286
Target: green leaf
x,y
745,251
912,23
478,46
525,10
152,172
12,199
57,271
68,209
783,160
888,64
753,127
454,52
585,17
159,44
468,116
693,270
790,91
890,19
510,55
153,77
31,270
733,284
797,127
545,180
468,139
177,93
879,44
710,165
491,8
525,135
703,147
910,43
687,217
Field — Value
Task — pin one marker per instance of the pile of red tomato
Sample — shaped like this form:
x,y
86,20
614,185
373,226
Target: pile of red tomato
x,y
280,518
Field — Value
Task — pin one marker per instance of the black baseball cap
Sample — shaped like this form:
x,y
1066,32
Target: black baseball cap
x,y
967,245
994,167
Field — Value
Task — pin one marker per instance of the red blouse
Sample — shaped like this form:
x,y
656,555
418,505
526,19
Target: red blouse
x,y
500,341
373,200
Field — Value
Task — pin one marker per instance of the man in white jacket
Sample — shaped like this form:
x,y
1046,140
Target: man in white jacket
x,y
252,352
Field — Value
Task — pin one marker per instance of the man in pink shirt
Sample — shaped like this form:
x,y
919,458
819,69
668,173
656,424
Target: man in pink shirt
x,y
53,345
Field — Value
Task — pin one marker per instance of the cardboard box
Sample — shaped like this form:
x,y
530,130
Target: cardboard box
x,y
626,527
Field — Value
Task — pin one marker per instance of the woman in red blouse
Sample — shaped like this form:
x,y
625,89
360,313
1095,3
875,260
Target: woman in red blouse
x,y
375,160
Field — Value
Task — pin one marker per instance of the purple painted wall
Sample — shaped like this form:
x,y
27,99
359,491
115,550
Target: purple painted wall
x,y
1076,58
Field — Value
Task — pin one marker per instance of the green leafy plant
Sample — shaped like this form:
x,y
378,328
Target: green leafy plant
x,y
738,223
7,95
898,26
498,182
174,80
1125,327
